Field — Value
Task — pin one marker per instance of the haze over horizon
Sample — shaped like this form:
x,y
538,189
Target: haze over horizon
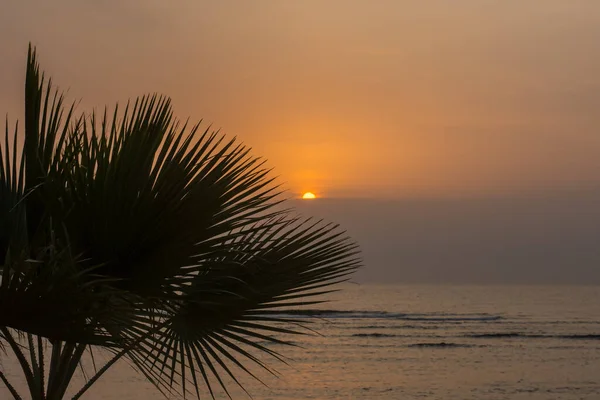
x,y
479,100
539,240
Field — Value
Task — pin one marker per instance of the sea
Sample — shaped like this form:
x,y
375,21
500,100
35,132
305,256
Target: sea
x,y
422,342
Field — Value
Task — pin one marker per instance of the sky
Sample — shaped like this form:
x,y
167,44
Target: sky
x,y
389,101
551,239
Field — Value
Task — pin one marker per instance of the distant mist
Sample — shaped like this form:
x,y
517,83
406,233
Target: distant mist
x,y
544,239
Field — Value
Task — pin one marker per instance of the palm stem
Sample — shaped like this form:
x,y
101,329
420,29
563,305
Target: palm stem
x,y
42,371
21,358
37,371
70,367
100,372
10,387
117,357
67,364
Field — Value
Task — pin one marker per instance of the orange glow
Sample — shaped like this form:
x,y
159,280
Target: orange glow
x,y
309,196
371,102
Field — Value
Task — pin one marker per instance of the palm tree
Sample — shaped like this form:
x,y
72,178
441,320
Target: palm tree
x,y
156,242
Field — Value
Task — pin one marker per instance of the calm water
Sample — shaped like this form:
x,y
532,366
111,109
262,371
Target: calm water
x,y
433,342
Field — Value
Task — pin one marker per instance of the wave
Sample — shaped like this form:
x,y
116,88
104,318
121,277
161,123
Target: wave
x,y
377,335
338,314
501,335
420,327
582,336
441,344
421,317
457,318
496,335
391,335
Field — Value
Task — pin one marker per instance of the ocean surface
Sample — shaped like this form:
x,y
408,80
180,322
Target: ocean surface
x,y
427,342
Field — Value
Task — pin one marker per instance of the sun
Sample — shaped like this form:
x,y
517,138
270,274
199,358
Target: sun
x,y
309,196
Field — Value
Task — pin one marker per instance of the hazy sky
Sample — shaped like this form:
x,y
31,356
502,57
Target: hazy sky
x,y
493,101
346,98
541,240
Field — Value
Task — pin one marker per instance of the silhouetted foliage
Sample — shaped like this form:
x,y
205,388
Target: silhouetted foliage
x,y
155,241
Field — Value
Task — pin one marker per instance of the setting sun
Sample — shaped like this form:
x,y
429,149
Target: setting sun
x,y
309,195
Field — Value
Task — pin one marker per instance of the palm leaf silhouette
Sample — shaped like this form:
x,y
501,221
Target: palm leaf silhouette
x,y
161,243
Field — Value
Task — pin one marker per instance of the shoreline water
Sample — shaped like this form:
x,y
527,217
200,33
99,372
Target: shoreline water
x,y
439,342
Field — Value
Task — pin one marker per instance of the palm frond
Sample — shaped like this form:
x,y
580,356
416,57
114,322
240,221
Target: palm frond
x,y
145,193
12,231
45,135
161,242
238,300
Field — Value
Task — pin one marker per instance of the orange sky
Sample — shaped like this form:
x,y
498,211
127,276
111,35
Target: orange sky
x,y
346,98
